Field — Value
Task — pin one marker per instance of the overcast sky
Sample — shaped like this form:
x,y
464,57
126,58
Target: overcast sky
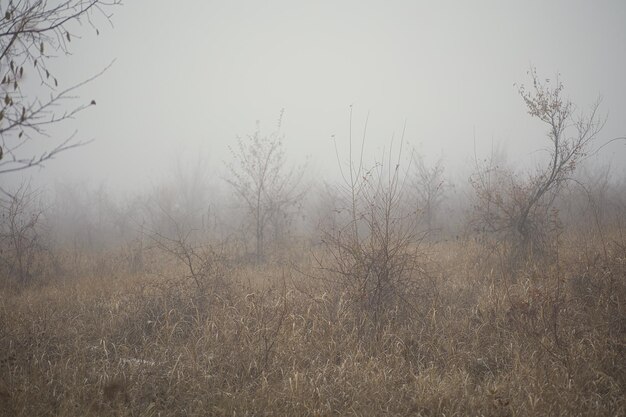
x,y
190,76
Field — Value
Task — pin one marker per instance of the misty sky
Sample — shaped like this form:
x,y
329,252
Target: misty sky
x,y
190,76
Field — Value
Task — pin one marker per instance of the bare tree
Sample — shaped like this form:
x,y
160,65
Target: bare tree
x,y
32,33
429,185
21,235
516,206
261,179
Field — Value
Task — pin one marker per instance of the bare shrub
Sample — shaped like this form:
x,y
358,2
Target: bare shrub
x,y
205,263
372,251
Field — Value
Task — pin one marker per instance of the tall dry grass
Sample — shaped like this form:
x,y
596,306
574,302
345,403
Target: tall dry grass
x,y
549,341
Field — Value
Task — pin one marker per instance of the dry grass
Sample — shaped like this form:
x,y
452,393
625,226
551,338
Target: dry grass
x,y
280,344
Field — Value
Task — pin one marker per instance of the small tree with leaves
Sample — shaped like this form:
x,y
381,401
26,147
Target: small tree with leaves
x,y
518,208
32,33
269,190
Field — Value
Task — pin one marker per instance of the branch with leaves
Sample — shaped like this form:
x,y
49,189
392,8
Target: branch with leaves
x,y
32,33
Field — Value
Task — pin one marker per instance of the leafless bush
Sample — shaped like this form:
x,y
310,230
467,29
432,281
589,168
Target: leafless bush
x,y
372,251
205,263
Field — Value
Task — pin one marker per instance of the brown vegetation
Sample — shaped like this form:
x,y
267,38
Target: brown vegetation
x,y
155,307
277,344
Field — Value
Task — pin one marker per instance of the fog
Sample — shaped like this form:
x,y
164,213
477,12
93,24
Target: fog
x,y
312,208
189,77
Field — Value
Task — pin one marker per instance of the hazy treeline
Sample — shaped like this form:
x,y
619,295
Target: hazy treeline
x,y
85,218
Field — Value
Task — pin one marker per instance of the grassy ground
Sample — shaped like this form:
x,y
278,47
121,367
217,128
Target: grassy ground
x,y
549,340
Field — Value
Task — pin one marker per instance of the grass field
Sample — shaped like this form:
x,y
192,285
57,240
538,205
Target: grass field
x,y
546,340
